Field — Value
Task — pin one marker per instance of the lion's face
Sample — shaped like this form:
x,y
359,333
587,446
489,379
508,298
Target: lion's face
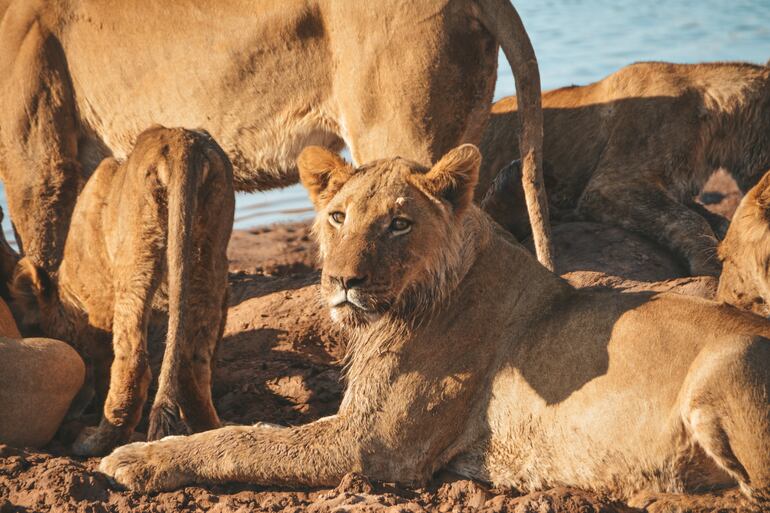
x,y
745,252
388,230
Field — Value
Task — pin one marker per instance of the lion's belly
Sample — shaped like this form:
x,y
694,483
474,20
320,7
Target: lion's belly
x,y
242,88
262,140
599,438
595,402
86,269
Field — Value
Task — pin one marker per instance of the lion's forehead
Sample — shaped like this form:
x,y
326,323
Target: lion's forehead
x,y
380,195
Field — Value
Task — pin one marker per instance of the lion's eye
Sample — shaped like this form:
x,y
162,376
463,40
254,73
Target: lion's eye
x,y
400,225
337,218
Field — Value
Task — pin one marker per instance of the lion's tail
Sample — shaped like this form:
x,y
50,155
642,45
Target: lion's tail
x,y
184,174
500,18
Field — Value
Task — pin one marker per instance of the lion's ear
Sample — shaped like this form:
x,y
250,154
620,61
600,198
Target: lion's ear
x,y
454,177
323,173
30,284
762,191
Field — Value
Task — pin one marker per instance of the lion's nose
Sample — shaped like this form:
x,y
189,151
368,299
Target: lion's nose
x,y
352,282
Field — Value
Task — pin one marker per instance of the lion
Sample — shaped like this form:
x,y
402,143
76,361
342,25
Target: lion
x,y
634,148
146,249
745,253
598,255
465,353
607,256
265,79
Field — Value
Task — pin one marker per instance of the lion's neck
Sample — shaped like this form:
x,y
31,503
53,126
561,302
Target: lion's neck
x,y
497,281
61,315
740,291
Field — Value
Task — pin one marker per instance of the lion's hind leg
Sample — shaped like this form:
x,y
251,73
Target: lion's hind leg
x,y
208,288
38,135
189,406
726,409
651,211
197,273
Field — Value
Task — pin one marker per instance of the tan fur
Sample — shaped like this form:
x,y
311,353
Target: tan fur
x,y
745,253
634,148
80,79
8,260
466,353
147,244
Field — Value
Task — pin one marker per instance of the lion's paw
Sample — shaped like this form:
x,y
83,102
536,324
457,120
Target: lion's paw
x,y
708,266
95,441
145,466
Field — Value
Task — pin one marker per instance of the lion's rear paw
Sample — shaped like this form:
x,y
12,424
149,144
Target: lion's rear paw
x,y
165,420
97,441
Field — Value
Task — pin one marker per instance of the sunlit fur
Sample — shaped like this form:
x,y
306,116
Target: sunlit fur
x,y
745,253
145,253
634,148
494,367
409,275
392,77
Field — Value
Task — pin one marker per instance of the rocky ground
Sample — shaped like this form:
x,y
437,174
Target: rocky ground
x,y
279,362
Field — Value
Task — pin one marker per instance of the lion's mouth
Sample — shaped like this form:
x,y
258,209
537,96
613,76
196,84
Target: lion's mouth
x,y
343,298
353,307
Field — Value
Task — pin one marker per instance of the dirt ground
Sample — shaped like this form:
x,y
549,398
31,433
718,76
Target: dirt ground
x,y
279,362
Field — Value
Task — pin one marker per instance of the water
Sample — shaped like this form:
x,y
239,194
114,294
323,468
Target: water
x,y
580,41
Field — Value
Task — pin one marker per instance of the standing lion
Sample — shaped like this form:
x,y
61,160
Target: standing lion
x,y
80,79
147,246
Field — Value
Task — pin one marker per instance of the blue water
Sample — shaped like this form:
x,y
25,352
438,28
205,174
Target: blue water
x,y
580,41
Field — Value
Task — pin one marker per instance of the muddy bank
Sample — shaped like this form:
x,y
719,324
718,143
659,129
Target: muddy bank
x,y
37,481
280,362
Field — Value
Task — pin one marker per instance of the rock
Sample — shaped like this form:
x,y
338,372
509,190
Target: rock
x,y
38,379
356,483
701,286
582,246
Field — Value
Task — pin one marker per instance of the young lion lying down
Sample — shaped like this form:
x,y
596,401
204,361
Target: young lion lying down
x,y
466,353
635,147
147,244
744,252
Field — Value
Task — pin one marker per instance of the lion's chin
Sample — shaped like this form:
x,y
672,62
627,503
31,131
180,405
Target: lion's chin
x,y
352,315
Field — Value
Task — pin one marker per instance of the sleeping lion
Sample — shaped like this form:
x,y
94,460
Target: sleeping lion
x,y
146,249
466,353
634,148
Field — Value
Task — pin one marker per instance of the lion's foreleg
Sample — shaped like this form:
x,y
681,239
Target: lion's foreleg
x,y
41,173
316,454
